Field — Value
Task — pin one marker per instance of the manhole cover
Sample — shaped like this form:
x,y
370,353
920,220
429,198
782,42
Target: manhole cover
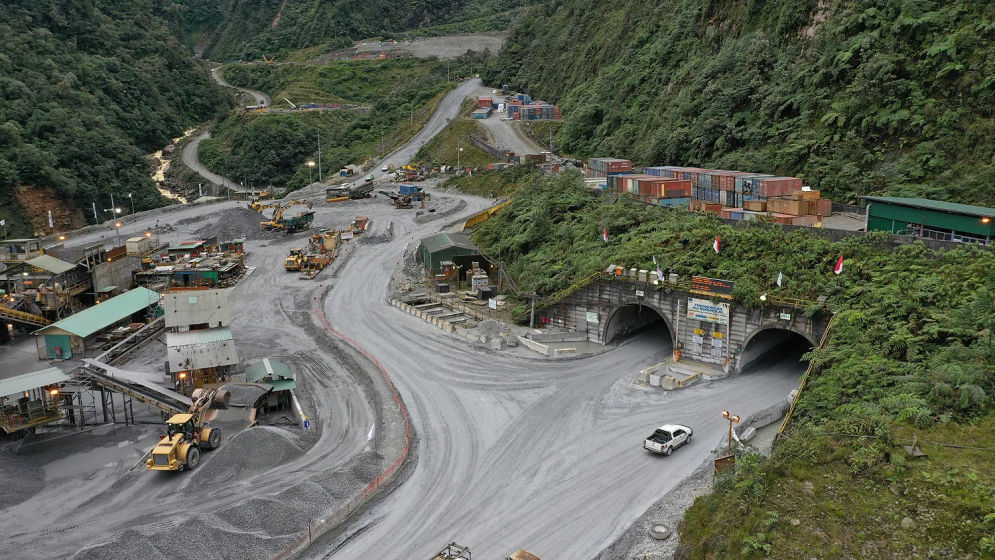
x,y
659,532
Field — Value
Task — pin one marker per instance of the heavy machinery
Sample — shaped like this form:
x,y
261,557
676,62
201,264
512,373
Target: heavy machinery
x,y
399,200
315,263
300,222
337,194
293,262
188,434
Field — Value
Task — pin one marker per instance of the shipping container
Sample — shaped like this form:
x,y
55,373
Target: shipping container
x,y
807,221
674,202
824,207
755,205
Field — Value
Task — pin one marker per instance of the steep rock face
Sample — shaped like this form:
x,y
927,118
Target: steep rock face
x,y
856,96
87,90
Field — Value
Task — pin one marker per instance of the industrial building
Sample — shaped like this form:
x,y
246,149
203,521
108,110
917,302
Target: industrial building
x,y
16,250
441,247
76,334
31,399
277,374
199,345
931,219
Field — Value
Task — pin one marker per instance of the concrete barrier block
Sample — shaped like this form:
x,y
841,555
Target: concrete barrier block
x,y
654,380
748,434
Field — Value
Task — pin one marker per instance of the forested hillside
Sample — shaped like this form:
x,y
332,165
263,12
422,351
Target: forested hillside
x,y
86,91
397,96
856,96
910,352
250,29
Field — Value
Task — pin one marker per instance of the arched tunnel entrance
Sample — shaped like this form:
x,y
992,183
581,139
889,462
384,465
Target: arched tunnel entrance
x,y
631,320
775,348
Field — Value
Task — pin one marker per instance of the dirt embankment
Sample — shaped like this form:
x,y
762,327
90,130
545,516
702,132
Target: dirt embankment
x,y
37,201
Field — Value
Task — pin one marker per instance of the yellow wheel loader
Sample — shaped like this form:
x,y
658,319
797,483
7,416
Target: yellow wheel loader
x,y
189,434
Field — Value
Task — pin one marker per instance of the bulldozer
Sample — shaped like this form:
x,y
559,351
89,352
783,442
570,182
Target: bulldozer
x,y
188,434
294,260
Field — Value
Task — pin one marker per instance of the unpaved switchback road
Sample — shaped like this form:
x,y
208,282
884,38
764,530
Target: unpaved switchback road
x,y
521,453
260,97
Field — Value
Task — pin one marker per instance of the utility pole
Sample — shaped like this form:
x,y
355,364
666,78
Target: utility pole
x,y
132,199
412,106
319,155
95,218
532,315
732,418
112,202
458,150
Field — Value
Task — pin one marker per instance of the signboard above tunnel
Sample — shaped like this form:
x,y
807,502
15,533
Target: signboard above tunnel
x,y
707,310
712,287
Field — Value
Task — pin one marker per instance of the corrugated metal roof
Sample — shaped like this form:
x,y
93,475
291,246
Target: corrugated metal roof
x,y
202,336
105,314
51,264
937,205
200,355
18,384
440,241
268,368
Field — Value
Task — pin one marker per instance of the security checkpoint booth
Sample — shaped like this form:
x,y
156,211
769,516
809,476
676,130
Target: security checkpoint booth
x,y
31,400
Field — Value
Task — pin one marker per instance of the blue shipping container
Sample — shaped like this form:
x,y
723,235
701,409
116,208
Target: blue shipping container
x,y
674,202
409,189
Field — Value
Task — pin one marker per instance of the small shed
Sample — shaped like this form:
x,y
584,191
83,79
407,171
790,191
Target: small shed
x,y
277,374
933,219
72,334
31,399
441,247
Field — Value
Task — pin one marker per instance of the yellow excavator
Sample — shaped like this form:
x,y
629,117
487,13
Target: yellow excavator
x,y
297,223
187,434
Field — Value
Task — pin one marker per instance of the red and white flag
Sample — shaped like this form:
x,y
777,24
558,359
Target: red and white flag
x,y
604,234
839,266
715,245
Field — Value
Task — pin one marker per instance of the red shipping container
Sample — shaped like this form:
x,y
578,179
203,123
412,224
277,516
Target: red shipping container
x,y
713,208
779,186
676,188
807,221
824,207
485,102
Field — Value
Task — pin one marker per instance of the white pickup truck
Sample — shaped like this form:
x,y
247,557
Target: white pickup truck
x,y
668,437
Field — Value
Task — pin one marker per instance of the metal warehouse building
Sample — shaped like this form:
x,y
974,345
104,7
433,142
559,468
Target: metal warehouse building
x,y
74,334
442,247
932,219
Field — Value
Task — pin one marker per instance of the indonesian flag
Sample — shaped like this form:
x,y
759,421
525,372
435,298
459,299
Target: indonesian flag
x,y
715,245
780,278
659,273
604,234
839,266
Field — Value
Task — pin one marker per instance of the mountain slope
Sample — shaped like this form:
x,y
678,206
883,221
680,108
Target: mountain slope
x,y
250,29
87,90
857,96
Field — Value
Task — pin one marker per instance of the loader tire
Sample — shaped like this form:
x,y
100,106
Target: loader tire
x,y
213,438
193,457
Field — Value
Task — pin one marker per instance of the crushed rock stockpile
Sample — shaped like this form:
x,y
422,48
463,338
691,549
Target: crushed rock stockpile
x,y
237,222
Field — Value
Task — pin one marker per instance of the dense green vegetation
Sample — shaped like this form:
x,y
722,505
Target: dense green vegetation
x,y
248,30
87,91
856,96
911,348
271,149
442,149
494,184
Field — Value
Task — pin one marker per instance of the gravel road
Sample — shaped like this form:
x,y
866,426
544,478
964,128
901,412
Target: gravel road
x,y
513,452
260,97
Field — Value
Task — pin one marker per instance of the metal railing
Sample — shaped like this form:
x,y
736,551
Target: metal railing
x,y
808,372
23,317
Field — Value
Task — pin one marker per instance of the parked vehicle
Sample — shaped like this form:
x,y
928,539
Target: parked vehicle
x,y
667,438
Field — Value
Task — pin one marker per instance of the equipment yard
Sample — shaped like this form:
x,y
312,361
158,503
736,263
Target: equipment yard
x,y
508,450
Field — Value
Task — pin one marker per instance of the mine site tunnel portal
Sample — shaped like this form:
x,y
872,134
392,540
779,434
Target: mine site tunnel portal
x,y
631,319
770,344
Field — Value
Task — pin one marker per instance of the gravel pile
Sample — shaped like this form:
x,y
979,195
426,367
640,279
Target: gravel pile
x,y
241,456
379,235
237,222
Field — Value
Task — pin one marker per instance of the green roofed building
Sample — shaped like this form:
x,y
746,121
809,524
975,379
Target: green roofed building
x,y
443,247
277,374
75,333
932,219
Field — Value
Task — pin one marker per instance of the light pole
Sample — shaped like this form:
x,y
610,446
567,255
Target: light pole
x,y
132,203
411,105
458,150
319,155
732,418
310,166
117,232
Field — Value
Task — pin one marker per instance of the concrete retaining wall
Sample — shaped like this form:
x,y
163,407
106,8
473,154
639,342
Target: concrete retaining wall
x,y
558,337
